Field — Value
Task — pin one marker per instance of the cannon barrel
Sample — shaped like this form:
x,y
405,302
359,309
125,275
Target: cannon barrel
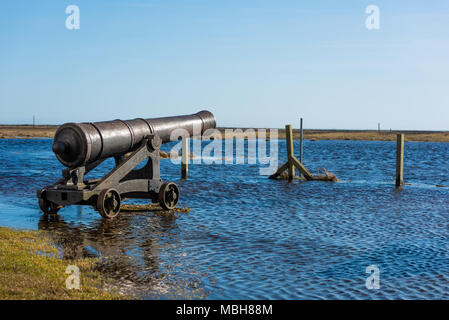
x,y
78,144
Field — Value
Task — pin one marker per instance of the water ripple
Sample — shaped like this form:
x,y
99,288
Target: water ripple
x,y
252,238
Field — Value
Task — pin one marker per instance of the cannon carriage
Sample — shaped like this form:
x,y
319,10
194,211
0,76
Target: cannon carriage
x,y
81,147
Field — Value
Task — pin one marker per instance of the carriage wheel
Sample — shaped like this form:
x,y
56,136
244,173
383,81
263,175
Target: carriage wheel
x,y
168,195
48,207
108,203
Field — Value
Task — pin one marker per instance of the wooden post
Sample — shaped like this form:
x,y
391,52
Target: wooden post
x,y
292,162
301,138
302,169
400,160
290,155
185,155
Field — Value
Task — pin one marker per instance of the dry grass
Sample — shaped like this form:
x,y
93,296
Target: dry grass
x,y
27,131
365,135
23,131
323,175
31,268
375,136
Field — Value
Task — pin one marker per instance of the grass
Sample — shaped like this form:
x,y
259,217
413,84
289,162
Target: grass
x,y
28,131
323,175
364,135
31,268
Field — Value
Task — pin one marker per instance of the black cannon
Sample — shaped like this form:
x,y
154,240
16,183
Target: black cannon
x,y
83,146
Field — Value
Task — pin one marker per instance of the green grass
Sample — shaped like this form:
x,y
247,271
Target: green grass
x,y
31,268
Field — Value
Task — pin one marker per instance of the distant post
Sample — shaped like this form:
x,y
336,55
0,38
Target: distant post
x,y
33,120
185,155
400,160
289,140
301,138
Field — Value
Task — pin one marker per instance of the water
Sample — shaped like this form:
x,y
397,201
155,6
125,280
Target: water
x,y
249,237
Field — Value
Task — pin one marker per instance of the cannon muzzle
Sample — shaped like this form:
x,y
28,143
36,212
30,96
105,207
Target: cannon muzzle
x,y
78,144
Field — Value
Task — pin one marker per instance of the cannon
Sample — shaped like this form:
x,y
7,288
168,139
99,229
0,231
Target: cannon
x,y
81,147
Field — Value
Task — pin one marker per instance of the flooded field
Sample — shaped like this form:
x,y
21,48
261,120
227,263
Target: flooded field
x,y
248,237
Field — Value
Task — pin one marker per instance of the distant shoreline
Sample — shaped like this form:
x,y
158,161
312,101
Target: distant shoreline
x,y
48,131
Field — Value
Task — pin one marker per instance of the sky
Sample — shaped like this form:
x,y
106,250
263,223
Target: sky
x,y
252,63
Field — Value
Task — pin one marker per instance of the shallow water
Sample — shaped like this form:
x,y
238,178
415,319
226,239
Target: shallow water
x,y
249,237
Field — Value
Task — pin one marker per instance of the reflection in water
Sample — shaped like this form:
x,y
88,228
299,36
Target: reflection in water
x,y
129,249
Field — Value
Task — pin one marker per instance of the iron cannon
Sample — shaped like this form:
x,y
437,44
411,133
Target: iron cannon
x,y
81,147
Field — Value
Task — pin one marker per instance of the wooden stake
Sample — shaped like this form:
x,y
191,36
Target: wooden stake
x,y
292,162
185,155
400,160
301,138
279,171
302,169
290,155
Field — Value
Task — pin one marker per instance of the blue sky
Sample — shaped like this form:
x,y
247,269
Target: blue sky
x,y
252,63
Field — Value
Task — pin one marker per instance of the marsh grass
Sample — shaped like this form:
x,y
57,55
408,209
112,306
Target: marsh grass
x,y
323,175
27,131
31,267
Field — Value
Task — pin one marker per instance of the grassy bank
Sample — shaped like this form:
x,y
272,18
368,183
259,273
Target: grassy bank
x,y
27,131
362,135
31,268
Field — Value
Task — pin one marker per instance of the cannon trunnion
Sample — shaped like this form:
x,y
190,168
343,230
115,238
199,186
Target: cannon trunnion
x,y
73,147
